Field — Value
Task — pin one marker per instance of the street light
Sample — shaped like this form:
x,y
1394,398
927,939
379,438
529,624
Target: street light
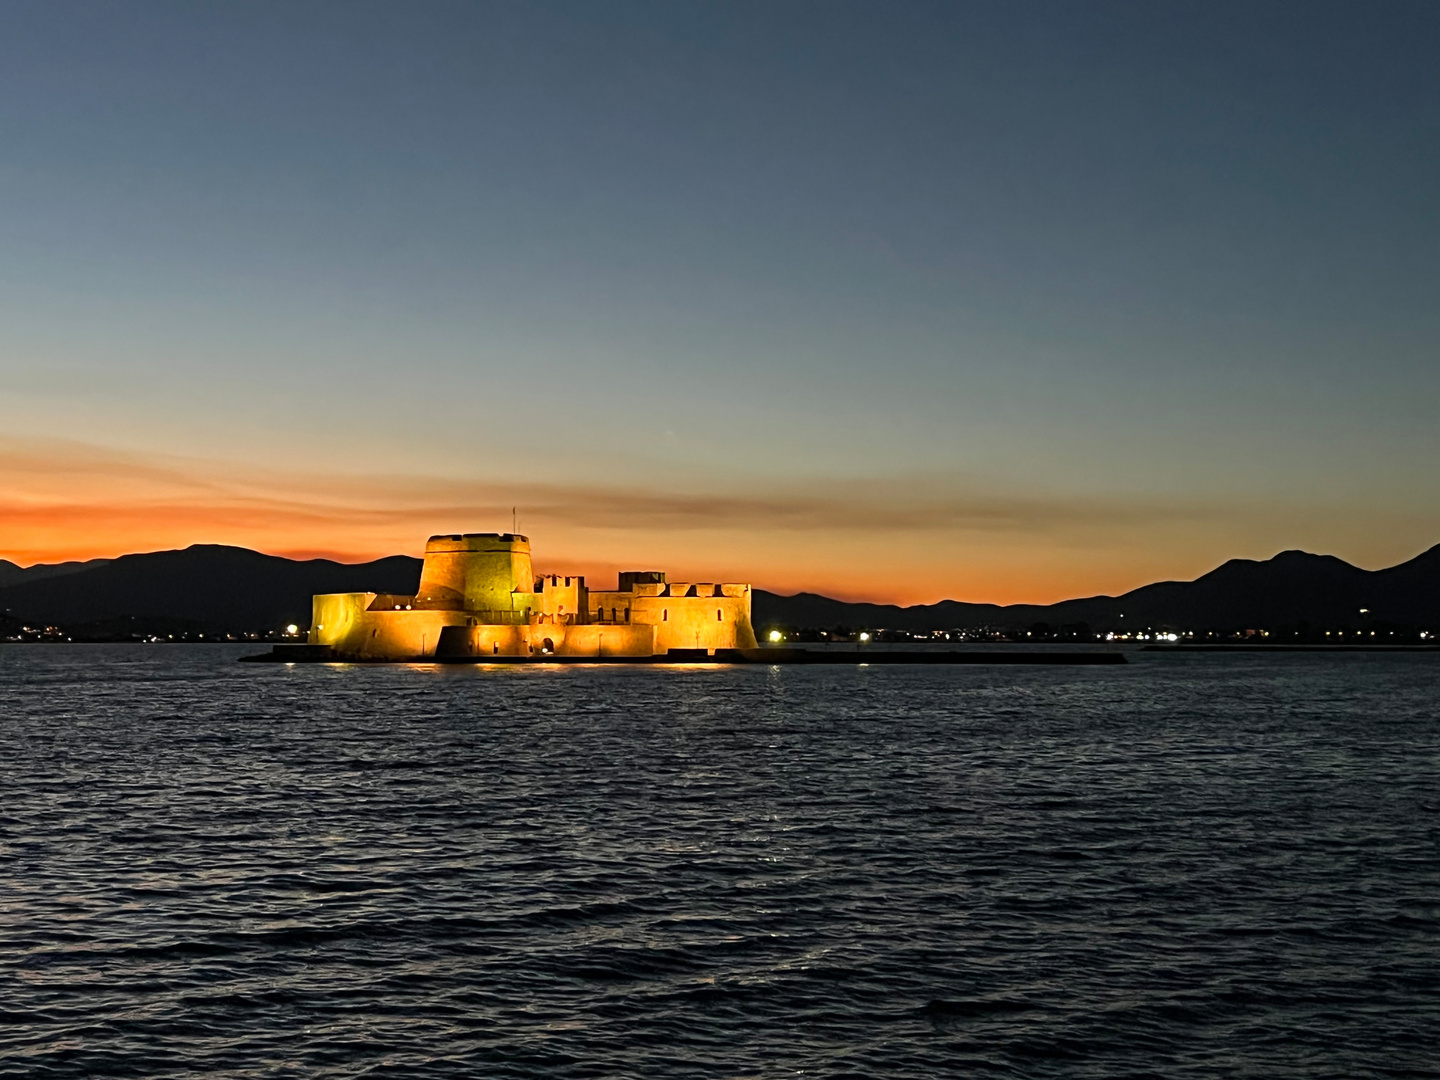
x,y
776,637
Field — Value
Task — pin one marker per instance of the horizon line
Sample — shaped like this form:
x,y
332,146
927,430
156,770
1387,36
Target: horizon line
x,y
322,555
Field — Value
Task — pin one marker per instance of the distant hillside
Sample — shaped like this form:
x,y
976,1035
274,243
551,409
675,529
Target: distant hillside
x,y
210,586
1291,589
228,589
10,574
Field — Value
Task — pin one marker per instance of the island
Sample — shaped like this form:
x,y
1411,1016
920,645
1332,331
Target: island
x,y
479,601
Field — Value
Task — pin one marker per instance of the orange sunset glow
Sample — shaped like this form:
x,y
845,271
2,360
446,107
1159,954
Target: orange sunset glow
x,y
889,543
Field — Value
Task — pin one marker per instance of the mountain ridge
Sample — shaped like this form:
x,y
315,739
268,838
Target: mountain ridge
x,y
215,586
1291,588
223,588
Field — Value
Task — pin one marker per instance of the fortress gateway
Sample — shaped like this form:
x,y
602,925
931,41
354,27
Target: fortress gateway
x,y
479,597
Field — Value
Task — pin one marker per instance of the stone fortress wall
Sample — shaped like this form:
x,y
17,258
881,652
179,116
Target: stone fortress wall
x,y
479,597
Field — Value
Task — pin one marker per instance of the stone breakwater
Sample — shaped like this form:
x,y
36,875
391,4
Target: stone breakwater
x,y
322,654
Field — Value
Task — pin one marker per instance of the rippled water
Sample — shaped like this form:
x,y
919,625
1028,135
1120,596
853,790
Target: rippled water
x,y
1190,866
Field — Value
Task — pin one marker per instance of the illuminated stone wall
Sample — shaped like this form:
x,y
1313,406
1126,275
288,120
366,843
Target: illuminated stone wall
x,y
350,624
698,621
549,639
686,615
338,620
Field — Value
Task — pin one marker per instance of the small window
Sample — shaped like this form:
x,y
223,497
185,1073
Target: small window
x,y
719,615
665,615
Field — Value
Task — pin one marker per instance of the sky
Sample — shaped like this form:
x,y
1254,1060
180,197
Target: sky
x,y
1004,302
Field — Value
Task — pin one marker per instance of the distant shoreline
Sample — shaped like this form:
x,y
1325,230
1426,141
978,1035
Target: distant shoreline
x,y
323,654
1238,647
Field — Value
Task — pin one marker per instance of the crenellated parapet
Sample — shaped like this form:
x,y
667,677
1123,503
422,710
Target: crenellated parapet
x,y
562,599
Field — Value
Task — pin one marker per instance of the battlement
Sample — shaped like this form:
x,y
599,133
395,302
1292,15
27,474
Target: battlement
x,y
682,589
563,598
630,578
475,541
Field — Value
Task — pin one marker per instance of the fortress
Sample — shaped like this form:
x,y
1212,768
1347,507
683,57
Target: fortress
x,y
479,597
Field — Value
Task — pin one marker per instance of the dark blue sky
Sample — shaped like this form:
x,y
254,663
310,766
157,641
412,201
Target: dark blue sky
x,y
1164,255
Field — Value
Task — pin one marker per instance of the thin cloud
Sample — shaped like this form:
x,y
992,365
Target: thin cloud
x,y
52,484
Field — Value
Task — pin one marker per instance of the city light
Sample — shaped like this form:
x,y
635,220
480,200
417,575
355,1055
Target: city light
x,y
776,637
292,629
864,635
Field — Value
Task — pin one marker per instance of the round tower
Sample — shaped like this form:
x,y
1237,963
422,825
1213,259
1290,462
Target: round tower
x,y
478,572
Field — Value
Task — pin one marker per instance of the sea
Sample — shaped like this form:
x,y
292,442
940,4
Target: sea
x,y
1193,865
